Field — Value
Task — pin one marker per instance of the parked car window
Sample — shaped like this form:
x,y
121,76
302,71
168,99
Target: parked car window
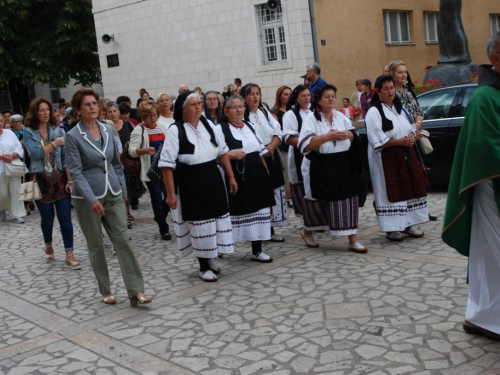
x,y
468,94
437,104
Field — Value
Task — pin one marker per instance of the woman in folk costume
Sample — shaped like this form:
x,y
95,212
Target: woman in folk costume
x,y
199,204
331,181
250,207
269,133
397,179
298,110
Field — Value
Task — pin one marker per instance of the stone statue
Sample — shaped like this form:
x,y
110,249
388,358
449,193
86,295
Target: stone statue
x,y
453,45
454,64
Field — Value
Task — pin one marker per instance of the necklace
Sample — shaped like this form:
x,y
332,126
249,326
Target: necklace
x,y
256,117
391,109
241,173
196,132
238,126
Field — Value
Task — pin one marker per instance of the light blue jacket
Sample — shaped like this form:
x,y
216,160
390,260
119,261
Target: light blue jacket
x,y
34,146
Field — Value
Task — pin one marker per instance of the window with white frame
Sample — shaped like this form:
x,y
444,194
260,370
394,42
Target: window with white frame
x,y
430,20
396,27
271,32
495,23
55,93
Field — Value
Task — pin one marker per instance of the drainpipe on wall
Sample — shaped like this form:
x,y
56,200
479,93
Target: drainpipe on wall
x,y
313,30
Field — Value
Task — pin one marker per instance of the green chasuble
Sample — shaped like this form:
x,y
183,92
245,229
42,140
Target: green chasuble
x,y
477,158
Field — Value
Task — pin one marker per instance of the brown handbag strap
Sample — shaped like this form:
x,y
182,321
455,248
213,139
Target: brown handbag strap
x,y
24,164
142,138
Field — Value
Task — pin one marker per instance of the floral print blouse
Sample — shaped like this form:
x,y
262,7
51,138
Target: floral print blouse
x,y
410,103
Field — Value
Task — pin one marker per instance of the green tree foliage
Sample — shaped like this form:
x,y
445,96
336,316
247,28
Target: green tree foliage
x,y
48,41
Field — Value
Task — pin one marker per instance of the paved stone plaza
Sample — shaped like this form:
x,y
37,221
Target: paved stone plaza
x,y
396,310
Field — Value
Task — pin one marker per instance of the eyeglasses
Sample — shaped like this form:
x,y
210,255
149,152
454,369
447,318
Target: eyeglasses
x,y
237,107
90,104
196,104
152,115
211,99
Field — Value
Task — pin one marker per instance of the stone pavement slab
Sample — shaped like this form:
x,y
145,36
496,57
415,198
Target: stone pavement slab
x,y
397,309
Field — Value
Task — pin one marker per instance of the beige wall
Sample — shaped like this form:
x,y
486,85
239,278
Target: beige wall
x,y
355,43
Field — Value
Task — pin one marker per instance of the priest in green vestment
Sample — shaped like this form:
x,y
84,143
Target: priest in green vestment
x,y
472,220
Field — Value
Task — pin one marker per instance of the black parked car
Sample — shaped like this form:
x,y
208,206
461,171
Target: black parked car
x,y
444,110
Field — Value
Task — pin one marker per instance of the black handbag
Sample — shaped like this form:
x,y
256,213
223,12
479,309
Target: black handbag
x,y
133,165
155,174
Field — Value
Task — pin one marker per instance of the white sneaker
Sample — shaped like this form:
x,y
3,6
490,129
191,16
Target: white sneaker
x,y
19,220
3,215
262,257
208,276
214,266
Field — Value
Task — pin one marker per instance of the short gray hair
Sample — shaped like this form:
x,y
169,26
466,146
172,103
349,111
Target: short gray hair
x,y
112,104
231,99
493,43
16,117
315,66
193,95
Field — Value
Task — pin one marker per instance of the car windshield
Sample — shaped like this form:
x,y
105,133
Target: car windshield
x,y
437,104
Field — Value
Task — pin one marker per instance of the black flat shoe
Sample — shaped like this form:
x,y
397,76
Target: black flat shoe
x,y
134,206
432,218
166,237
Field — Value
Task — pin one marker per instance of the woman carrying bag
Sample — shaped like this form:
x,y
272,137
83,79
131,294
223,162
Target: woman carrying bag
x,y
44,142
10,149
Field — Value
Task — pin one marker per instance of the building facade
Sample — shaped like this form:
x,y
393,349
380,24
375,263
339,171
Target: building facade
x,y
160,44
360,36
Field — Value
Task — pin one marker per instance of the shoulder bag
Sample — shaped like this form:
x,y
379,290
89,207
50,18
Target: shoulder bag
x,y
424,142
29,191
131,164
155,174
15,168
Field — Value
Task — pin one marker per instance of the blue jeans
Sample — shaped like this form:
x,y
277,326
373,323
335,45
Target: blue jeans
x,y
63,210
160,207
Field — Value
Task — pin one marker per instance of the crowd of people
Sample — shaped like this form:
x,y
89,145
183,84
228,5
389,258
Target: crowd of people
x,y
253,161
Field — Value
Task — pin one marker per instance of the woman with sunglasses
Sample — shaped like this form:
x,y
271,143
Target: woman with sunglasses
x,y
146,139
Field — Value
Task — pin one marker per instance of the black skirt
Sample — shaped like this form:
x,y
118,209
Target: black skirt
x,y
254,186
275,169
332,178
202,192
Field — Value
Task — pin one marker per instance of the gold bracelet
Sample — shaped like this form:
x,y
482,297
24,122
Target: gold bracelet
x,y
53,145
